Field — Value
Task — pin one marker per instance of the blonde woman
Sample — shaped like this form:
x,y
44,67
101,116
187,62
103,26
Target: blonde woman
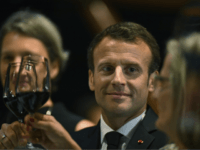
x,y
177,90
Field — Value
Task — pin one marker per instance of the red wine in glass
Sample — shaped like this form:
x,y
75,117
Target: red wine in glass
x,y
33,84
33,101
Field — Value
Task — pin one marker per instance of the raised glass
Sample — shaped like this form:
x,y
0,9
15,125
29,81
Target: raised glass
x,y
33,84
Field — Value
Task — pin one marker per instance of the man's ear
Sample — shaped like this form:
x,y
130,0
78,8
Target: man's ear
x,y
54,69
151,81
91,80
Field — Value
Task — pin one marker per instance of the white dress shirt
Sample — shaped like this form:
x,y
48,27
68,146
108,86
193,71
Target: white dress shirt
x,y
127,130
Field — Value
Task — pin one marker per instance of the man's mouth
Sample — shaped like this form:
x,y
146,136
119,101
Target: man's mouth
x,y
119,94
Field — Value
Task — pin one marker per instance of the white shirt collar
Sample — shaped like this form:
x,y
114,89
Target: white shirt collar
x,y
124,130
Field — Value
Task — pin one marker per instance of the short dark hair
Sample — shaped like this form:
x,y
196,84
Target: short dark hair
x,y
128,32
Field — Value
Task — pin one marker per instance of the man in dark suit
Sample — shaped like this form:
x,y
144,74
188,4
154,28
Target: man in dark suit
x,y
121,60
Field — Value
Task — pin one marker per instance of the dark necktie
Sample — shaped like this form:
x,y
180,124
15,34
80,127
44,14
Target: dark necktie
x,y
113,139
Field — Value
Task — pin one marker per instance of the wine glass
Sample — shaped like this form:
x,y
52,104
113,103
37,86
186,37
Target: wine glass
x,y
9,96
33,84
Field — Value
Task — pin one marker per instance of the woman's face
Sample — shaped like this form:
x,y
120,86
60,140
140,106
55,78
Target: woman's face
x,y
192,93
15,46
162,94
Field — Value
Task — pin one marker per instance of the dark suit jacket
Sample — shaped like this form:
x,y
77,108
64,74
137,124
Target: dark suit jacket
x,y
146,131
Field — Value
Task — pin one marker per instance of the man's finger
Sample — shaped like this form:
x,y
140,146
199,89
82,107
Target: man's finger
x,y
2,146
11,135
23,128
4,126
2,136
16,127
7,143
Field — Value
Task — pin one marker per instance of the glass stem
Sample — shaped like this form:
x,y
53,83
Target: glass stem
x,y
30,145
20,120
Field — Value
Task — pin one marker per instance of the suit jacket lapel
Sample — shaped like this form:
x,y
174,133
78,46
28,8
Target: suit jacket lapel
x,y
92,141
142,131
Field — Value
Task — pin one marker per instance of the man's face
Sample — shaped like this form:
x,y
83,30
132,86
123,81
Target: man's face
x,y
120,79
15,46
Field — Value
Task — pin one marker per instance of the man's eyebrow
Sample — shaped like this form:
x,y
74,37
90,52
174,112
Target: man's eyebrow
x,y
106,61
125,61
113,62
129,62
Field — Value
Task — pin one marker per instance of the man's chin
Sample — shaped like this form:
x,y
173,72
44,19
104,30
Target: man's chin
x,y
119,111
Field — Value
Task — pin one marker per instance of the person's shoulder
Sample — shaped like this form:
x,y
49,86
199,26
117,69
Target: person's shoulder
x,y
160,139
68,119
149,119
150,111
88,138
59,110
84,133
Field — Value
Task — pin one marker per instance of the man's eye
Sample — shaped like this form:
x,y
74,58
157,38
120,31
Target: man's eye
x,y
131,69
107,68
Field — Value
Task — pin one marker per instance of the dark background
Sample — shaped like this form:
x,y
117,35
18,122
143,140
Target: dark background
x,y
156,15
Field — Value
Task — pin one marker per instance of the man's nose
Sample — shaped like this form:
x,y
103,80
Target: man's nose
x,y
119,79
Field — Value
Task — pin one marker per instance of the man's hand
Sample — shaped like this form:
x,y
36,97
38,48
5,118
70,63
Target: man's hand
x,y
11,135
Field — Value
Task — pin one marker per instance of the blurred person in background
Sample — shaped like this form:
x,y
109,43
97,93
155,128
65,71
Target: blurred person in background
x,y
178,93
31,33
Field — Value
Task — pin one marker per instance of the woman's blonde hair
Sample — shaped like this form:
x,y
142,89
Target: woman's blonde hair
x,y
186,118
